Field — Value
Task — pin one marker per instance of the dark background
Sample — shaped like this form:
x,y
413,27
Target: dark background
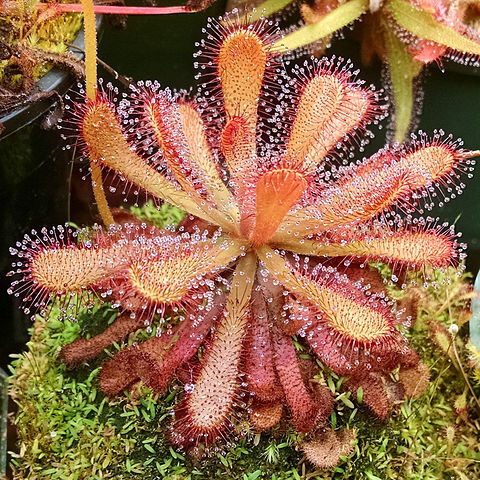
x,y
35,171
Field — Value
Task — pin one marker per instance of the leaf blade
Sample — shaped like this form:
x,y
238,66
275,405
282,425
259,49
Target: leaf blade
x,y
268,8
424,25
336,19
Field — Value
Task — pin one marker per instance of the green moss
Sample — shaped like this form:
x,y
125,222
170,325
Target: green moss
x,y
67,428
160,216
58,426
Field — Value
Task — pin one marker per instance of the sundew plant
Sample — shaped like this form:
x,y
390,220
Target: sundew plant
x,y
283,223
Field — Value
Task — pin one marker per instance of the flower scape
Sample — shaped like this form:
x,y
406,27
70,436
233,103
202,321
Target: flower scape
x,y
276,248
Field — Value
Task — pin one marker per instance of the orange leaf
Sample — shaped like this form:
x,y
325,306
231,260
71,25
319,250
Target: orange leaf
x,y
277,191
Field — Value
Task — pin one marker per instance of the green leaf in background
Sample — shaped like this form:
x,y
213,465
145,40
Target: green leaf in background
x,y
267,8
360,395
424,25
403,69
330,23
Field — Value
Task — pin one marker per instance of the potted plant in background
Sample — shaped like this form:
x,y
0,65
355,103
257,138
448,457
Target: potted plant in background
x,y
32,40
177,284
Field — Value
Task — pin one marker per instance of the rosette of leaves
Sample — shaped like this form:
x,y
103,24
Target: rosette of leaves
x,y
274,251
405,34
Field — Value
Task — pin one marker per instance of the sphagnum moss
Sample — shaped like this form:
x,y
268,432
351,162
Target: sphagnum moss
x,y
69,430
